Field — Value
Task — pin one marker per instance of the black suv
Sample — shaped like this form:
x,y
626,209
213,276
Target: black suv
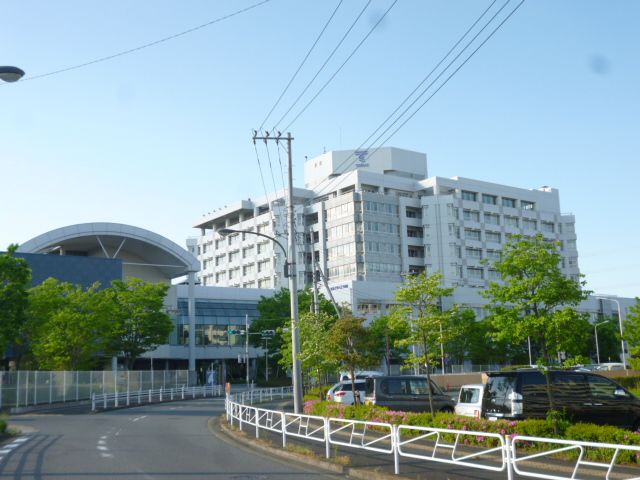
x,y
406,393
583,397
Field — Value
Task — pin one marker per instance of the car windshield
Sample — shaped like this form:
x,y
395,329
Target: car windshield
x,y
470,395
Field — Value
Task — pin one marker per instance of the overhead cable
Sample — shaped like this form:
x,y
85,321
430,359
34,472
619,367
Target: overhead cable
x,y
147,45
351,158
301,65
341,66
275,127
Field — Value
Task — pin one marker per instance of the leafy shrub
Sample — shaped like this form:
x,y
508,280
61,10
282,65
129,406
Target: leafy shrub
x,y
588,432
3,426
632,382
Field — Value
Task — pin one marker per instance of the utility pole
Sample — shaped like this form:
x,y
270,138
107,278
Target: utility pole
x,y
246,344
290,268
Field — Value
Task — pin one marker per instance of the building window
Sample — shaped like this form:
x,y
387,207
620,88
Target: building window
x,y
492,218
489,199
493,254
529,224
547,227
415,232
248,269
471,215
264,283
454,231
472,234
509,202
494,237
474,253
475,273
220,276
219,260
527,205
511,221
247,251
494,275
263,266
416,252
234,256
471,196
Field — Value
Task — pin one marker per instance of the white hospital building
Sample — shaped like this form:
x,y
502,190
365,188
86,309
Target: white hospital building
x,y
368,218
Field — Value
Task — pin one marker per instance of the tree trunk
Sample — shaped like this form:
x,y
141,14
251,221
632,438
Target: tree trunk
x,y
426,364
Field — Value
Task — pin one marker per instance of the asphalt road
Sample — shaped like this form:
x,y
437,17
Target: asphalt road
x,y
160,441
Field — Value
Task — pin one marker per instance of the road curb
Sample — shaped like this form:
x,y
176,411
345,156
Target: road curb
x,y
245,439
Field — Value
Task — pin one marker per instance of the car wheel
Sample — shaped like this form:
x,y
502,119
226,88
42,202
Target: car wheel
x,y
636,426
447,410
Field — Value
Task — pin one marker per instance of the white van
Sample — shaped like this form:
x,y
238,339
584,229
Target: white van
x,y
470,400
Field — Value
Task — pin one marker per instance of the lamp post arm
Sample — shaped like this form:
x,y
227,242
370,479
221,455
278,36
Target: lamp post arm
x,y
226,231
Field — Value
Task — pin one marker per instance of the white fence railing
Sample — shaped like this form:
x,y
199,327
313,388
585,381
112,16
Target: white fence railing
x,y
461,448
127,398
25,388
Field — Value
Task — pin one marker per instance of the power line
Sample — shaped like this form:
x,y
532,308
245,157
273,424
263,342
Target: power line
x,y
348,160
301,64
453,73
264,185
323,65
147,45
341,66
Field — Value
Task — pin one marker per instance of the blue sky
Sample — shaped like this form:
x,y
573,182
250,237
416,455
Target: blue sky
x,y
162,135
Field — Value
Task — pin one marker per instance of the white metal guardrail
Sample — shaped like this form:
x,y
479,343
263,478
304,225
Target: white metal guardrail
x,y
461,448
27,388
581,449
126,398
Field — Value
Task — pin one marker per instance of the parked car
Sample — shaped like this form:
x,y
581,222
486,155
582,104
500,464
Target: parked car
x,y
360,375
583,396
406,393
342,392
609,366
470,400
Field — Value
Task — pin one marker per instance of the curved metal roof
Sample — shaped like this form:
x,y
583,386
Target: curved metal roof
x,y
116,240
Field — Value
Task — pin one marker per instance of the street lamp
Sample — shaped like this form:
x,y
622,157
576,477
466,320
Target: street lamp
x,y
295,332
11,74
595,327
624,359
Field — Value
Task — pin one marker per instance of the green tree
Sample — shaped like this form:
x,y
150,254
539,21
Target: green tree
x,y
138,320
429,325
386,336
632,331
352,347
15,281
315,349
69,327
275,314
535,299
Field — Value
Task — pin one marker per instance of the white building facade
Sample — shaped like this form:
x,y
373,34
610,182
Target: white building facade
x,y
368,218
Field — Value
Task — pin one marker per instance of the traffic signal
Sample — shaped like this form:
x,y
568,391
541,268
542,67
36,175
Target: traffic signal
x,y
268,333
236,332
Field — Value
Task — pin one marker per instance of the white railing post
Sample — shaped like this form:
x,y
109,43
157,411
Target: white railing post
x,y
395,443
182,392
104,400
507,456
26,391
284,429
327,444
50,387
93,402
172,394
161,394
128,386
139,397
256,418
35,387
240,416
150,396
